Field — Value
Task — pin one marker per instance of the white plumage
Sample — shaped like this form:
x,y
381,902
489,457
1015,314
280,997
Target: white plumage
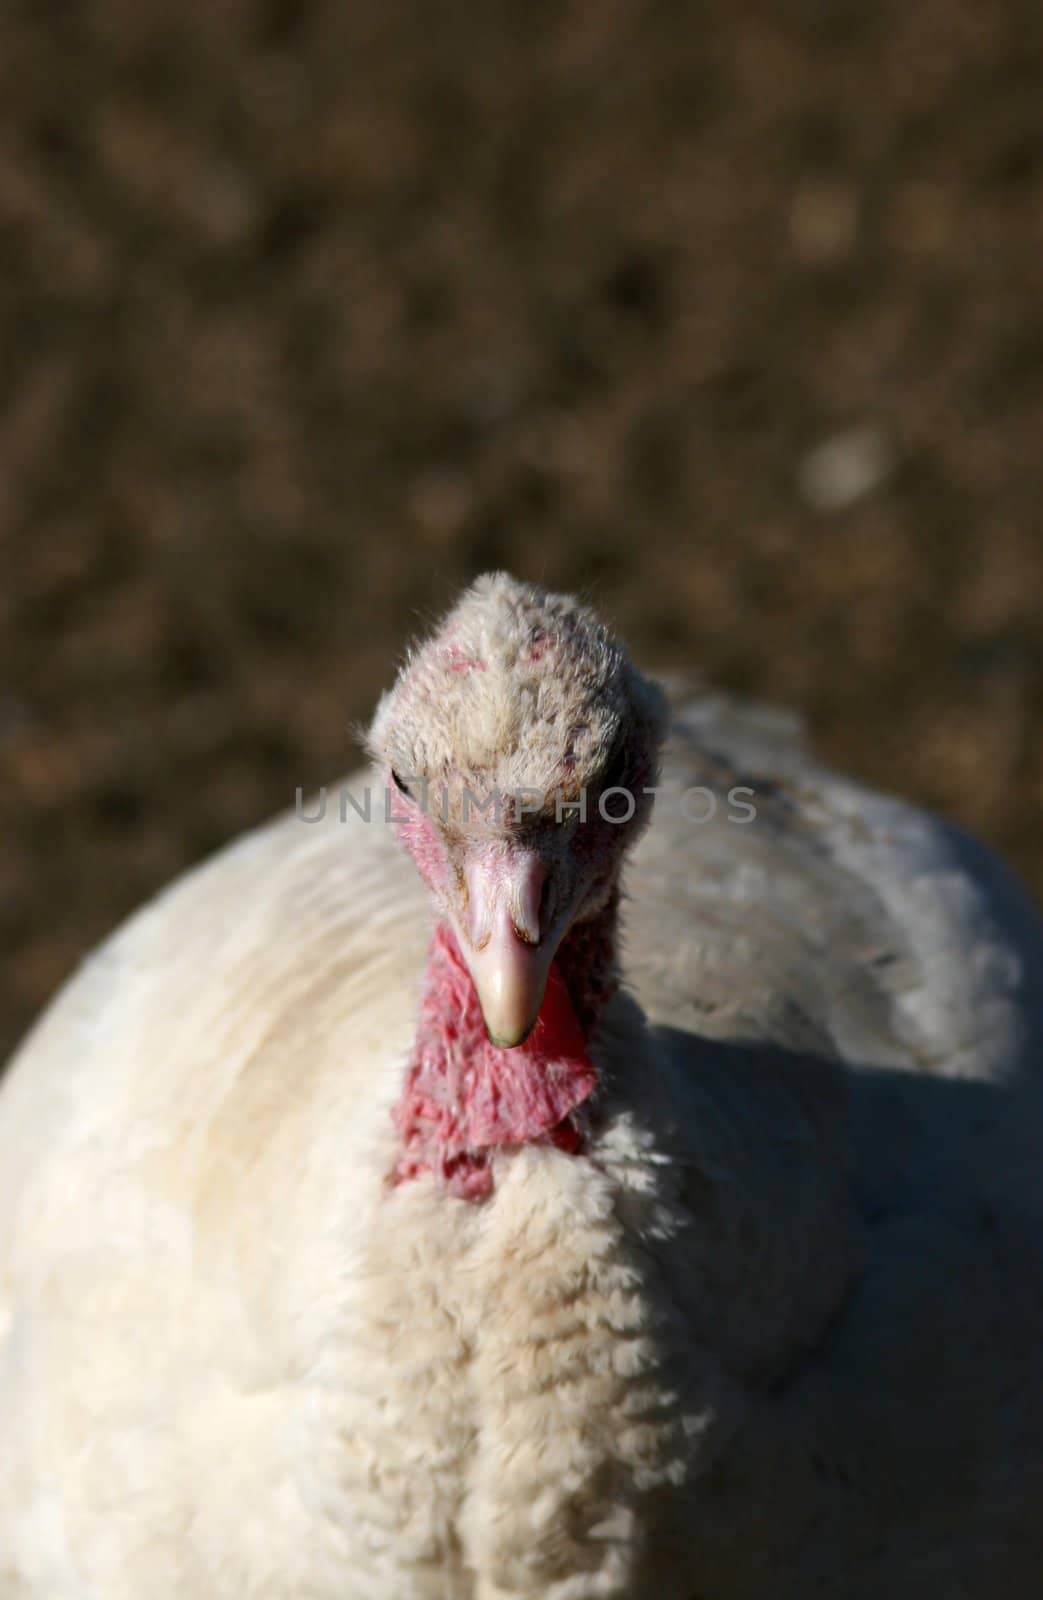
x,y
773,1332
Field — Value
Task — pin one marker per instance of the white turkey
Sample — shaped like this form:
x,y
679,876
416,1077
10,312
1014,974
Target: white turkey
x,y
442,1223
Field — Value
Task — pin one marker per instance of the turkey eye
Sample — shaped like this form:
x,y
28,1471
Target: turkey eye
x,y
399,785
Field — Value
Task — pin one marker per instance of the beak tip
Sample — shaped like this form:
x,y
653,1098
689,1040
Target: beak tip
x,y
502,1042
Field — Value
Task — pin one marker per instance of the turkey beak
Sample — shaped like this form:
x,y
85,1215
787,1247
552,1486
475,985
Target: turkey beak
x,y
507,959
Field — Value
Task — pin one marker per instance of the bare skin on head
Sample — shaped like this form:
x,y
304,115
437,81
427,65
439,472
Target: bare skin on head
x,y
501,734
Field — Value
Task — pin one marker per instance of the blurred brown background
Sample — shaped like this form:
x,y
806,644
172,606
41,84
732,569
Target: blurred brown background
x,y
729,313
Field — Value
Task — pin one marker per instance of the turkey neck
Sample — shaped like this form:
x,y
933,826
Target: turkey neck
x,y
463,1098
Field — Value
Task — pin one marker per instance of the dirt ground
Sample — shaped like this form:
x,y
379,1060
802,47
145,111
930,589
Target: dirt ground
x,y
729,314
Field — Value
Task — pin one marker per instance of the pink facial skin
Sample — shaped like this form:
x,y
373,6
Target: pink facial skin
x,y
457,660
540,645
418,831
463,1098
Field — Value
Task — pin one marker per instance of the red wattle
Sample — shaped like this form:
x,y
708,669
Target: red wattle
x,y
464,1098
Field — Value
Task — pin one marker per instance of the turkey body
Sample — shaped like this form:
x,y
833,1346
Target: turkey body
x,y
774,1332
